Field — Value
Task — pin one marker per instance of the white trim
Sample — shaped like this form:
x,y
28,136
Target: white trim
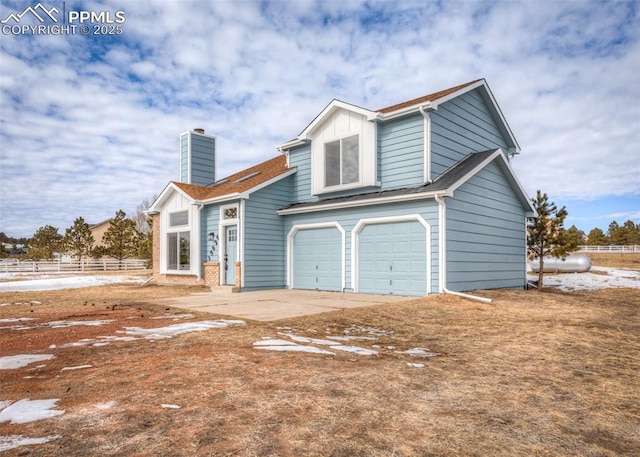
x,y
320,225
497,153
165,194
367,202
193,228
241,215
355,249
246,194
222,225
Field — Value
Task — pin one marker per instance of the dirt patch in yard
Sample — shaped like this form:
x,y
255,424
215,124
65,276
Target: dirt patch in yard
x,y
547,373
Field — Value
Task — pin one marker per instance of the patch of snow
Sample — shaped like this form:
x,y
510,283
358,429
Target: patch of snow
x,y
15,441
175,316
178,329
60,324
418,352
304,339
167,406
72,282
351,338
79,367
274,342
614,278
416,365
17,319
24,411
354,349
12,362
295,348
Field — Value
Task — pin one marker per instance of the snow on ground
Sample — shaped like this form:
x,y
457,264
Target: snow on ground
x,y
26,410
73,282
604,278
55,324
294,343
138,333
14,441
12,362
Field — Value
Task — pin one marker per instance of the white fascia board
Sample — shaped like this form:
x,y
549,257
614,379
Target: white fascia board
x,y
222,198
166,193
368,202
247,193
426,106
328,111
285,147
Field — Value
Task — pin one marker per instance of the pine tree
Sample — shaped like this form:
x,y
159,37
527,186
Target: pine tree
x,y
78,238
597,237
44,243
545,233
121,238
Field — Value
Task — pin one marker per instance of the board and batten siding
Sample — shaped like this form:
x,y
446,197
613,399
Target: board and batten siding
x,y
486,246
401,152
265,238
349,217
461,126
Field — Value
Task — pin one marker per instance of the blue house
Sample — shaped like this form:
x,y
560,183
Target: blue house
x,y
413,199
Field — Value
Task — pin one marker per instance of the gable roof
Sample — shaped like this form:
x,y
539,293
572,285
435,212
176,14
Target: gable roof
x,y
234,186
427,98
444,185
428,102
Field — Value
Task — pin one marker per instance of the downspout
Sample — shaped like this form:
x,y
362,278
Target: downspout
x,y
442,248
427,145
199,205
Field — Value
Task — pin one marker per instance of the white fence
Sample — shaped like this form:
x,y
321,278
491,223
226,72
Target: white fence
x,y
60,266
613,249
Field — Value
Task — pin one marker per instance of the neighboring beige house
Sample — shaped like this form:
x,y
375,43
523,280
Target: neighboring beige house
x,y
98,230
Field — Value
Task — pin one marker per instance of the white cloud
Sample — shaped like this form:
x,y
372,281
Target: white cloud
x,y
90,125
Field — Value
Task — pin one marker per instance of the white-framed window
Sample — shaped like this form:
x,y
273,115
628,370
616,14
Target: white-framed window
x,y
343,153
178,242
342,161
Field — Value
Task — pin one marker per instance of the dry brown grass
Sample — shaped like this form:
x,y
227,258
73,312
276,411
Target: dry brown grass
x,y
549,373
616,260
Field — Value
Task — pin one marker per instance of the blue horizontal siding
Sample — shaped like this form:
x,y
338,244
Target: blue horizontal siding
x,y
349,217
401,152
485,234
300,158
461,126
265,238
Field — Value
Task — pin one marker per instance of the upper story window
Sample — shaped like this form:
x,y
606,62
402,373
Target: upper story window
x,y
343,152
342,161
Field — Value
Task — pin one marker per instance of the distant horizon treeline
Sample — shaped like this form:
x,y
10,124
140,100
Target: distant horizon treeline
x,y
125,237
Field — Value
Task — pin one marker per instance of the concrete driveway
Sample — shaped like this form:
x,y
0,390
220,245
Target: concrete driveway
x,y
272,305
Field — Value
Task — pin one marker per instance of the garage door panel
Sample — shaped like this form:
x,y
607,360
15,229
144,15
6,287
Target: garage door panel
x,y
317,259
392,258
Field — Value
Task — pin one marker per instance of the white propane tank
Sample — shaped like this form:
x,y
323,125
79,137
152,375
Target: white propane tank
x,y
575,263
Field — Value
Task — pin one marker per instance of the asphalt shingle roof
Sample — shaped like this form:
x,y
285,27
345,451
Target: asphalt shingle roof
x,y
238,182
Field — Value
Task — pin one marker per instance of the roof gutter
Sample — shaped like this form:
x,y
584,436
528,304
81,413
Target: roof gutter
x,y
442,248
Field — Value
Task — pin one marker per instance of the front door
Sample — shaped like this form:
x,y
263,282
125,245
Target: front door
x,y
230,254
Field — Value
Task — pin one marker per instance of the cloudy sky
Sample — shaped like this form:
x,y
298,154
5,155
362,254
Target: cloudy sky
x,y
89,124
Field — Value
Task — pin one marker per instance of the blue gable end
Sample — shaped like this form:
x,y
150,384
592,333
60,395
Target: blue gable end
x,y
461,126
